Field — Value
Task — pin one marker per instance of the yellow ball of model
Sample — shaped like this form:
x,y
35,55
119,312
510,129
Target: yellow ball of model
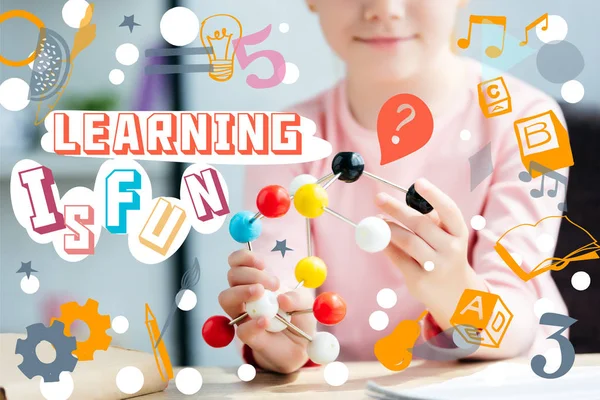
x,y
310,200
311,271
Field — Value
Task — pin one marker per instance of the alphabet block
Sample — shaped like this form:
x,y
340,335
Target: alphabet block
x,y
481,317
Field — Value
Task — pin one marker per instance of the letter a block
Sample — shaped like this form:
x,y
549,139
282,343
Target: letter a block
x,y
481,318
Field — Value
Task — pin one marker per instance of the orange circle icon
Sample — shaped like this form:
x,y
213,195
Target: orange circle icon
x,y
29,17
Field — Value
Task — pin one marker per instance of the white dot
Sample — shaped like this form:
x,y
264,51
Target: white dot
x,y
478,222
336,373
465,134
386,298
188,381
553,359
545,242
127,54
379,320
130,380
246,372
395,139
428,266
284,27
292,73
179,26
60,390
14,94
120,324
186,300
542,306
581,280
73,12
517,258
31,285
572,91
557,29
116,77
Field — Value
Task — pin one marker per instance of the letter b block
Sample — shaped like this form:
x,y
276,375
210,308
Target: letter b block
x,y
481,317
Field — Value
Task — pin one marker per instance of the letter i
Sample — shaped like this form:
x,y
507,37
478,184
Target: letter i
x,y
39,182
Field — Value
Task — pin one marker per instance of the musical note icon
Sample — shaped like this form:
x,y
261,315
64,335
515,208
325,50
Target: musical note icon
x,y
557,177
543,18
490,51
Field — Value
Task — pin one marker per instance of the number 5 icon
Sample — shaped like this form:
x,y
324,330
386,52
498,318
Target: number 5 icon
x,y
567,350
273,56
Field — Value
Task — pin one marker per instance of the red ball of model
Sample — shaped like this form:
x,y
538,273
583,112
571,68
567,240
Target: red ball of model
x,y
217,332
329,308
273,201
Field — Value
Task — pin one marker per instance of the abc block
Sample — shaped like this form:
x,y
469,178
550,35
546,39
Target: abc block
x,y
494,98
481,318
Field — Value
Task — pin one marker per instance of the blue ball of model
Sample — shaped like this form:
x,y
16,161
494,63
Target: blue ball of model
x,y
242,229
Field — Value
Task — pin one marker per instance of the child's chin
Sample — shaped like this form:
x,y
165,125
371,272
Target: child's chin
x,y
391,69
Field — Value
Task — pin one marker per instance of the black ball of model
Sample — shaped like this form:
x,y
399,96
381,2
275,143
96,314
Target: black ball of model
x,y
349,165
416,201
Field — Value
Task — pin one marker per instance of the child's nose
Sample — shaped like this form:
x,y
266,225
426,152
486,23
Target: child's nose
x,y
381,10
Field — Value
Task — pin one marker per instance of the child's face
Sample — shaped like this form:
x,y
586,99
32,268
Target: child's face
x,y
387,39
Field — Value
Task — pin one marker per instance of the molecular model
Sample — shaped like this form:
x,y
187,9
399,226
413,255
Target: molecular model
x,y
310,199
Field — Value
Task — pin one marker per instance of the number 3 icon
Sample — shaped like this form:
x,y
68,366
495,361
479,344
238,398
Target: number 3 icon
x,y
567,350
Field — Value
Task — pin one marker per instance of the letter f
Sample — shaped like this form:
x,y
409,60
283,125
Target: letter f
x,y
121,197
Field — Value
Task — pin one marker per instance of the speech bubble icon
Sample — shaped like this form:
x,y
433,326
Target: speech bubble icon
x,y
404,125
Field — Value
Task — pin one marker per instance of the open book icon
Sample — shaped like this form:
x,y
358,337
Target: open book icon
x,y
585,247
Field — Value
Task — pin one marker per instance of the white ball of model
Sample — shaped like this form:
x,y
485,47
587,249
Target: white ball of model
x,y
373,234
266,306
324,348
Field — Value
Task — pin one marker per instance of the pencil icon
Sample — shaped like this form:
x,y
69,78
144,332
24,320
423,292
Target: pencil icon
x,y
159,351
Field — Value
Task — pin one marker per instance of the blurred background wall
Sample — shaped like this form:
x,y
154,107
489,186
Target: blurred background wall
x,y
112,276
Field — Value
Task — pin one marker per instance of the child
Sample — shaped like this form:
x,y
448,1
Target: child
x,y
391,47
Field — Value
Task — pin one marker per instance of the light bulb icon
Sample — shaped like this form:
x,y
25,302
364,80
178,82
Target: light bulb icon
x,y
222,32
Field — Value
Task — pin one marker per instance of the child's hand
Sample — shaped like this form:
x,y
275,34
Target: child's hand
x,y
282,352
440,237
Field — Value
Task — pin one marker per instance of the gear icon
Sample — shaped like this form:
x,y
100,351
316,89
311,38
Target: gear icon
x,y
97,325
63,345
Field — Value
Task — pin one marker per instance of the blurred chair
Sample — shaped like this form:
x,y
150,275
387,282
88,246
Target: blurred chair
x,y
583,208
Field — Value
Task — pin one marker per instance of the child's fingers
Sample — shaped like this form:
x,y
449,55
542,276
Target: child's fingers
x,y
411,244
448,212
253,333
407,265
426,226
248,275
245,258
294,300
232,300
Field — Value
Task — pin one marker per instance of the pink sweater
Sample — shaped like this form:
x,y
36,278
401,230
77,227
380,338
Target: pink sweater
x,y
358,276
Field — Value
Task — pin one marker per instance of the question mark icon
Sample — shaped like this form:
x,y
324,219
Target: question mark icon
x,y
399,139
411,116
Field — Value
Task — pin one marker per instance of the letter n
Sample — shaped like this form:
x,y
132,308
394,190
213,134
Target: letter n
x,y
207,195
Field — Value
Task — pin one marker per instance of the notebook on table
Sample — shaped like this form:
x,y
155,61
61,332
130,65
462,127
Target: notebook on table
x,y
94,379
501,381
